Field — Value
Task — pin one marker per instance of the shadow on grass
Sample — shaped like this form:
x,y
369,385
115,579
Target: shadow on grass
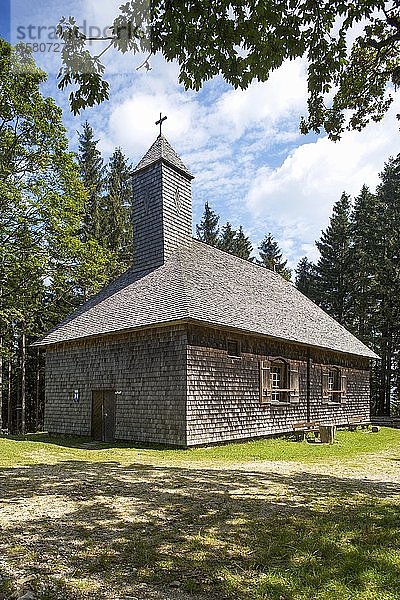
x,y
82,442
96,527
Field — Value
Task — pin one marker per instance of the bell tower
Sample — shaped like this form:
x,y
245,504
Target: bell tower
x,y
162,205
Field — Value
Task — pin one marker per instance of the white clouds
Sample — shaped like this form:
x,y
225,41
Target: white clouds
x,y
297,196
132,123
195,124
265,103
240,145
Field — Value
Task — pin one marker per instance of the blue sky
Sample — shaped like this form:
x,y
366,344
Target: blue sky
x,y
244,147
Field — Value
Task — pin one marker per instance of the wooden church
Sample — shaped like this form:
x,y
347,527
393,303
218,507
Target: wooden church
x,y
194,346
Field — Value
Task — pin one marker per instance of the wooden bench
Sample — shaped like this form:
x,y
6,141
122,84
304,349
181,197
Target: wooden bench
x,y
357,421
303,428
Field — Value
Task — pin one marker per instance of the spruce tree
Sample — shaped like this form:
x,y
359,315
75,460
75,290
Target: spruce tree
x,y
227,238
306,278
117,215
208,231
41,252
271,257
363,264
93,177
333,268
388,283
242,245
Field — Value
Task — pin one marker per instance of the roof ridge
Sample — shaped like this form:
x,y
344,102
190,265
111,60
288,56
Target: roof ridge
x,y
245,260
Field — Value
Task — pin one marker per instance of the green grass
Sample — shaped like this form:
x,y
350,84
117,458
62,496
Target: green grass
x,y
38,448
101,522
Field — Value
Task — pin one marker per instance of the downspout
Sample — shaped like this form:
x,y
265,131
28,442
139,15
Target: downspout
x,y
308,386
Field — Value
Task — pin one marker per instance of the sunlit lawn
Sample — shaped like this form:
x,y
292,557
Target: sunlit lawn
x,y
37,448
92,521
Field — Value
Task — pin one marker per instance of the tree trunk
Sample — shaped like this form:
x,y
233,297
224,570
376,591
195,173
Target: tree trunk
x,y
1,383
9,406
37,408
23,380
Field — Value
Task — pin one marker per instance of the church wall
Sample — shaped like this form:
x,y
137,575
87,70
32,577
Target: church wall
x,y
224,392
147,369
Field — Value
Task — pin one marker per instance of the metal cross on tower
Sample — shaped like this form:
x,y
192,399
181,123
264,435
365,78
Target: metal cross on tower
x,y
160,122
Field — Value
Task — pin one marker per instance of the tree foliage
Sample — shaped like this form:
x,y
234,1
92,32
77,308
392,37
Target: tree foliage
x,y
271,257
207,230
107,222
227,238
117,209
246,41
235,242
357,278
242,246
333,266
93,177
387,292
306,278
46,268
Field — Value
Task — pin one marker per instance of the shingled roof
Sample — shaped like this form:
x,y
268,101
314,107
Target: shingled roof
x,y
205,285
162,150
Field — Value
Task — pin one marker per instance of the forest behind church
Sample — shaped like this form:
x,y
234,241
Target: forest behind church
x,y
65,231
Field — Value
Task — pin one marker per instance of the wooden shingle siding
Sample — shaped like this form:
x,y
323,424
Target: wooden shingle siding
x,y
148,368
224,393
148,219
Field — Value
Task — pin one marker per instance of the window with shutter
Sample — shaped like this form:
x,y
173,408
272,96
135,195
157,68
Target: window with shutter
x,y
325,385
294,394
279,381
334,385
343,393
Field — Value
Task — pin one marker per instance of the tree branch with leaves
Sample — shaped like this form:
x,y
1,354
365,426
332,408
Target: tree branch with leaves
x,y
245,41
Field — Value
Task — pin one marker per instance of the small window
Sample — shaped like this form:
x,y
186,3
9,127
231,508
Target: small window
x,y
233,348
334,385
278,378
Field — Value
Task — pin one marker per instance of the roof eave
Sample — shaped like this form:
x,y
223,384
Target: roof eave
x,y
191,321
183,172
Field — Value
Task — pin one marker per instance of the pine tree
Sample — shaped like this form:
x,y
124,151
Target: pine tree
x,y
92,173
117,218
306,278
208,231
333,268
242,245
271,257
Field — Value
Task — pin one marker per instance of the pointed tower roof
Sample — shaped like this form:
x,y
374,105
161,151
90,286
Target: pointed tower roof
x,y
162,150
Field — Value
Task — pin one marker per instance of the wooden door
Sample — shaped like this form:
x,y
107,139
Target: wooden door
x,y
108,416
103,415
97,415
